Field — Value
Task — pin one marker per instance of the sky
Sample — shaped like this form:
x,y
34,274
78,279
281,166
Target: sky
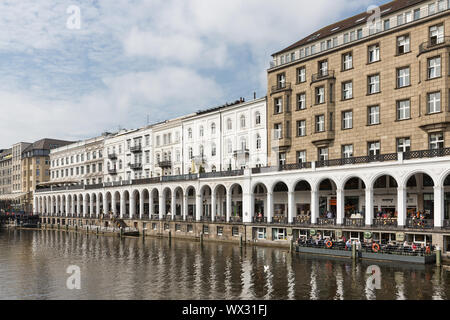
x,y
75,69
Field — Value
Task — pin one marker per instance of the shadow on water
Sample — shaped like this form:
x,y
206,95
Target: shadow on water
x,y
33,265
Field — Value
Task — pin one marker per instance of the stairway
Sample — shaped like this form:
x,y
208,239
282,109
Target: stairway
x,y
119,223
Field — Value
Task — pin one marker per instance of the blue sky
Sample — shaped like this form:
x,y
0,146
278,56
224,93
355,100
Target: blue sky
x,y
133,59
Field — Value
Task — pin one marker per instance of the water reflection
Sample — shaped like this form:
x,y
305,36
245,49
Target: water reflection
x,y
33,266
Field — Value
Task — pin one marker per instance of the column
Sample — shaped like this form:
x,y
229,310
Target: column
x,y
340,212
85,206
91,206
247,205
369,206
122,205
151,204
162,206
173,205
438,206
228,213
291,206
198,206
141,205
113,204
314,206
72,204
51,206
105,205
61,205
269,206
185,206
401,203
67,206
132,205
97,213
213,206
57,206
35,205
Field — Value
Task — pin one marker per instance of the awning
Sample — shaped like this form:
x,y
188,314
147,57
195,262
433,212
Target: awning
x,y
12,196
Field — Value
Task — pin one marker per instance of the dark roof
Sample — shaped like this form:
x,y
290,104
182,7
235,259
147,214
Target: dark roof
x,y
46,144
351,22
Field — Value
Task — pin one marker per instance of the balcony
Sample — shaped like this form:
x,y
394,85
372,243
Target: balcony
x,y
326,222
426,153
385,223
434,43
199,159
137,148
242,152
329,74
420,224
302,220
135,166
281,87
165,164
112,171
356,222
357,160
235,219
219,174
259,220
279,220
112,156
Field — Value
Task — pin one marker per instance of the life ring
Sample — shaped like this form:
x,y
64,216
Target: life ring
x,y
329,244
428,250
375,247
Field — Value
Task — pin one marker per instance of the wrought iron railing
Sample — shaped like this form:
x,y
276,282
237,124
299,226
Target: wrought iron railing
x,y
326,221
112,156
420,223
281,87
165,164
357,160
431,153
135,166
218,174
322,75
146,181
354,222
220,218
302,220
236,219
184,177
259,220
385,222
136,148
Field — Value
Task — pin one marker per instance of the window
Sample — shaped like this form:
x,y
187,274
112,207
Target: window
x,y
301,101
346,39
242,121
320,123
431,8
213,150
403,144
373,84
320,95
301,74
434,102
374,53
229,124
347,120
373,148
436,140
408,17
347,151
257,118
323,68
387,24
230,146
347,90
323,154
301,128
417,14
403,110
258,142
403,45
373,115
436,34
278,105
281,81
434,67
441,5
347,61
213,128
400,19
243,144
403,79
301,156
282,158
278,131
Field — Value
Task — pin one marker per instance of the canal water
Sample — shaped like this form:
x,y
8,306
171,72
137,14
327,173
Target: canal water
x,y
33,265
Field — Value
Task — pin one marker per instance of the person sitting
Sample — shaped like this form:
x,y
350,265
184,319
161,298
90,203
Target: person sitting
x,y
348,245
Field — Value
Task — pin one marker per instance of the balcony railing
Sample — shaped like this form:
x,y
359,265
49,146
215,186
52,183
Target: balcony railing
x,y
236,219
154,217
326,222
146,181
431,153
357,160
259,220
420,223
322,75
434,44
184,177
205,218
165,164
284,167
279,220
218,174
135,166
385,222
281,87
245,152
136,148
112,171
112,156
356,222
302,220
220,218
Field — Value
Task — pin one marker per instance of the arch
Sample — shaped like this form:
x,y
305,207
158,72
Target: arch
x,y
406,178
135,207
125,204
375,177
145,196
320,181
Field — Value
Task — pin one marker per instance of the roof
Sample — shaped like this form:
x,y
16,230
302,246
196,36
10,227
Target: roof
x,y
46,144
351,22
